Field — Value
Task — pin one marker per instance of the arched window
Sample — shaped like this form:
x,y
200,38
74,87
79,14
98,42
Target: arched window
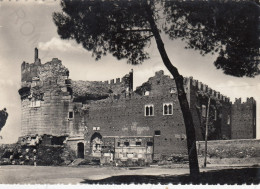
x,y
167,108
170,109
149,110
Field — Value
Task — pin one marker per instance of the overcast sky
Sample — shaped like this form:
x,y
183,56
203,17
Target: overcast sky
x,y
25,25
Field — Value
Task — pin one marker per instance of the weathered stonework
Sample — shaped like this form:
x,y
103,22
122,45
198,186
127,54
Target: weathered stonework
x,y
243,119
109,120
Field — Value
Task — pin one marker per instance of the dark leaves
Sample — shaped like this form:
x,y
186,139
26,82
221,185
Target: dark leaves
x,y
116,27
225,27
120,27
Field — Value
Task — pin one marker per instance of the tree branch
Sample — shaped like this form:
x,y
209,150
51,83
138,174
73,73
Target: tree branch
x,y
138,30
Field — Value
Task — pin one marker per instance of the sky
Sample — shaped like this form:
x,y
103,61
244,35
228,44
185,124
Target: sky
x,y
25,25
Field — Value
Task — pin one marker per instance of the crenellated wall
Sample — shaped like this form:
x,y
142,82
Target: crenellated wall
x,y
53,104
199,86
48,96
119,85
243,119
125,117
198,94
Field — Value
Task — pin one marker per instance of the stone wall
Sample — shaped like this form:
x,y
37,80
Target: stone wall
x,y
241,151
243,119
47,101
39,154
126,117
52,104
198,95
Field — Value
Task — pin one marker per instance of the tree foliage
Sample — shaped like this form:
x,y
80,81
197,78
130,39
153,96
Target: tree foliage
x,y
124,28
116,27
3,118
121,28
229,28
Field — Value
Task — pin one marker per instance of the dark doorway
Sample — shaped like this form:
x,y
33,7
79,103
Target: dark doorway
x,y
96,142
80,150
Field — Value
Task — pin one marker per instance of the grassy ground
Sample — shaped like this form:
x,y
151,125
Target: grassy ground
x,y
114,175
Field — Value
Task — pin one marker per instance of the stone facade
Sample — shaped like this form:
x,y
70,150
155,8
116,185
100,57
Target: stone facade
x,y
243,119
109,120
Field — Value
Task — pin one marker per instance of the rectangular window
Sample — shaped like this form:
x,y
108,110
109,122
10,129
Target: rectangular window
x,y
94,128
157,133
138,143
149,110
35,103
98,128
70,115
203,111
215,115
126,143
228,120
149,144
167,108
118,143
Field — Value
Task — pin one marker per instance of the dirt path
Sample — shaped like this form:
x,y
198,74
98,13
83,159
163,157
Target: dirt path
x,y
75,175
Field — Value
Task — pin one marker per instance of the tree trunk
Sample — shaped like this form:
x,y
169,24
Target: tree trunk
x,y
190,130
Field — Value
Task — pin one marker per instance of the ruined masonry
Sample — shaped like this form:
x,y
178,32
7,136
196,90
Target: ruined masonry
x,y
110,121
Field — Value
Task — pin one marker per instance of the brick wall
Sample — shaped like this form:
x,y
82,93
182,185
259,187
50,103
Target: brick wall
x,y
120,112
46,106
126,117
243,119
197,95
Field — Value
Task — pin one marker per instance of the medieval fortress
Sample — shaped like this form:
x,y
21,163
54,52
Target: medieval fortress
x,y
110,120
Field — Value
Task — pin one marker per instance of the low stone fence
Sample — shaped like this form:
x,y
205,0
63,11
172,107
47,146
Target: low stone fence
x,y
230,152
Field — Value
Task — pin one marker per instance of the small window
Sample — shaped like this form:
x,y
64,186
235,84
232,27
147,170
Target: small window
x,y
94,128
215,115
126,143
149,144
138,143
172,90
70,115
228,120
35,103
183,137
203,111
146,93
167,108
98,128
149,110
118,143
157,133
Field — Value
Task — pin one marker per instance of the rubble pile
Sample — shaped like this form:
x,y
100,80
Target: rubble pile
x,y
22,153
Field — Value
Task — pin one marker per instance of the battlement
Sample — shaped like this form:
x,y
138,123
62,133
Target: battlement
x,y
126,80
205,88
249,101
